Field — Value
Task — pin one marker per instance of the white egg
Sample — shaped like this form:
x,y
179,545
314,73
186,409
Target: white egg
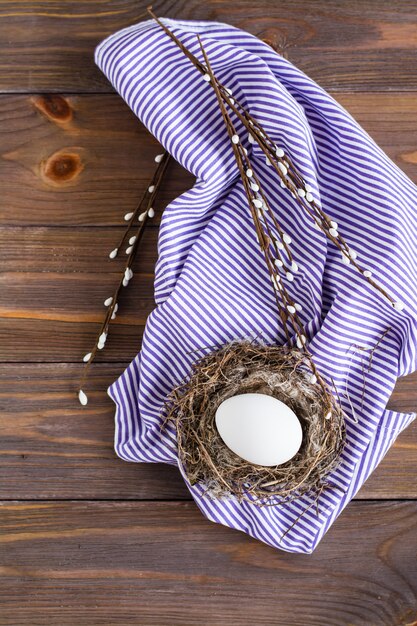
x,y
259,428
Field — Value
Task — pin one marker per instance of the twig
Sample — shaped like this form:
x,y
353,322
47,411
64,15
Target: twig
x,y
290,177
112,302
259,209
365,373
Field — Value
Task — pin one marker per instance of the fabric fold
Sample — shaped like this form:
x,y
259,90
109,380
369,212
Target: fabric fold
x,y
211,283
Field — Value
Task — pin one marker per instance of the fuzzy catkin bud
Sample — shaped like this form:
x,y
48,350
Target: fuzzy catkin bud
x,y
82,397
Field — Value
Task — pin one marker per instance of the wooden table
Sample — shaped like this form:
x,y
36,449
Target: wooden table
x,y
87,539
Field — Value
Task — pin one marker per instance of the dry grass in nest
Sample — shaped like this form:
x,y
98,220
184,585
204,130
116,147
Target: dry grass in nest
x,y
246,367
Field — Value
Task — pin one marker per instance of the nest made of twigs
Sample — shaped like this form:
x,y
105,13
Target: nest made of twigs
x,y
246,367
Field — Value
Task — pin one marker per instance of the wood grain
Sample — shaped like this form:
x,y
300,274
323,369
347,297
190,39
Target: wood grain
x,y
73,297
74,249
76,160
163,564
50,317
40,340
50,447
367,45
62,165
98,541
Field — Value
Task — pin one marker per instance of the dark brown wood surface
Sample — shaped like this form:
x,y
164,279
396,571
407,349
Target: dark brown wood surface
x,y
161,563
86,538
48,45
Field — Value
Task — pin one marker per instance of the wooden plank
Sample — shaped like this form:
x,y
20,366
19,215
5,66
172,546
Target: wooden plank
x,y
49,46
76,160
86,160
390,119
71,249
163,564
51,447
56,317
74,297
39,340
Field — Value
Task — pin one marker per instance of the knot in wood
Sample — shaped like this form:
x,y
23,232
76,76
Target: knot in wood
x,y
54,107
62,167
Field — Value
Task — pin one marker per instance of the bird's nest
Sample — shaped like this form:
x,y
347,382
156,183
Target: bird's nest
x,y
246,367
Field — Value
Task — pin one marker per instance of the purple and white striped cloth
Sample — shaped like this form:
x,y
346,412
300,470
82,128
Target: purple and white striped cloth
x,y
212,285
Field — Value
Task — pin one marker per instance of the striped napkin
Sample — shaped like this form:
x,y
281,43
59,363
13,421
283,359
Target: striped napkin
x,y
211,283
